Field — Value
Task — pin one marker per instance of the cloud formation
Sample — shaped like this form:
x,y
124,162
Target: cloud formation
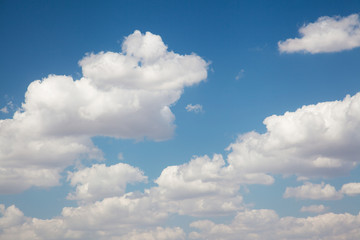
x,y
327,34
99,181
266,224
313,191
122,95
351,189
314,141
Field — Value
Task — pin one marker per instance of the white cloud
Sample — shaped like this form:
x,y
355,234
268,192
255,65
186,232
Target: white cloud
x,y
266,224
126,217
122,95
197,108
351,189
313,191
314,208
314,141
100,181
201,187
327,34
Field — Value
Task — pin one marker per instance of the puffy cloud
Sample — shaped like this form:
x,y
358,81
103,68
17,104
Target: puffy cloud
x,y
157,234
266,224
126,217
199,187
203,186
327,34
197,108
120,213
313,191
122,95
100,181
351,188
314,141
10,216
314,208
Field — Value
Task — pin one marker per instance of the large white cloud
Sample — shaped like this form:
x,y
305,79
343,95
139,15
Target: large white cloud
x,y
314,141
266,224
99,181
327,34
123,95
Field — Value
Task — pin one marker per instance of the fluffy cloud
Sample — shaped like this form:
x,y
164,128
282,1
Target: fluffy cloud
x,y
204,186
111,218
314,208
266,224
100,181
198,188
122,95
314,141
313,191
197,108
327,34
351,189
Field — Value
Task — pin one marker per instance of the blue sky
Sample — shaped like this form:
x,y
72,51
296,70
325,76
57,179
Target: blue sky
x,y
177,119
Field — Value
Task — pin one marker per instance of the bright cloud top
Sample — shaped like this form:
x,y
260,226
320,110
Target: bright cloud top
x,y
100,181
327,34
122,95
351,189
314,141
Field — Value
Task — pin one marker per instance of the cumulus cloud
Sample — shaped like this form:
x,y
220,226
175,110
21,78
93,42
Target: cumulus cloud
x,y
204,186
199,187
351,189
314,208
99,181
313,191
123,95
314,141
266,224
197,108
327,34
126,217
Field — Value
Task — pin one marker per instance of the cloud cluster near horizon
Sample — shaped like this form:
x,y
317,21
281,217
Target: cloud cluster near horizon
x,y
128,95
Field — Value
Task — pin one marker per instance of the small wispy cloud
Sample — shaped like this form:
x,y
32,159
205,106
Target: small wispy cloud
x,y
197,108
9,106
240,74
4,110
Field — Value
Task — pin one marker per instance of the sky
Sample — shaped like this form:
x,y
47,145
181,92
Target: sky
x,y
179,120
